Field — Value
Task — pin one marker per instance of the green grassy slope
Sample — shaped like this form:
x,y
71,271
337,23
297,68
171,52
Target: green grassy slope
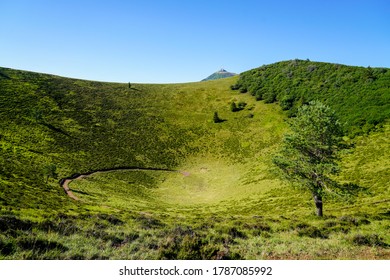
x,y
222,201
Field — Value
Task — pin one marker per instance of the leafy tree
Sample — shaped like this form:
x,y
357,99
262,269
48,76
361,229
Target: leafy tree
x,y
309,153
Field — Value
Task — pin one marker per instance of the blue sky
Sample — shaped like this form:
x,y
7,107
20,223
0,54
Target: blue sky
x,y
180,41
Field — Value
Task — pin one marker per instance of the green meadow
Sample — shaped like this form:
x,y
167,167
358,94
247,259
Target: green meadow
x,y
170,183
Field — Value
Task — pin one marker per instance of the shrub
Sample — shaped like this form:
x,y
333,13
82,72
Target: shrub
x,y
236,233
243,90
241,105
64,227
312,232
311,68
216,118
368,240
7,247
349,220
111,219
148,222
226,254
233,107
13,223
269,97
235,87
287,102
186,244
40,245
362,90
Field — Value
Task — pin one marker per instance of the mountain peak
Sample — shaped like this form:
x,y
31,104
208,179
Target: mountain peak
x,y
222,73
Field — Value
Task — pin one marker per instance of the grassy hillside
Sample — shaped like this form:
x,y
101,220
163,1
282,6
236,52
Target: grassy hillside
x,y
360,96
221,198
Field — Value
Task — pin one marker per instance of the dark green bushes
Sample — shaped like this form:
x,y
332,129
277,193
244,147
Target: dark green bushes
x,y
360,96
237,107
149,222
12,223
185,243
216,118
312,232
233,107
40,245
368,240
7,247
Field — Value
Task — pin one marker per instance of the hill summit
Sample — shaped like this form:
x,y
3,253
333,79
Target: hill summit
x,y
219,75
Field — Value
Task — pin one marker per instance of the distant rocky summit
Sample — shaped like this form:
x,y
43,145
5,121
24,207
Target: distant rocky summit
x,y
219,75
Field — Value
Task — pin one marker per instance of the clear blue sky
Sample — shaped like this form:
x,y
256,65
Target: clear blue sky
x,y
179,41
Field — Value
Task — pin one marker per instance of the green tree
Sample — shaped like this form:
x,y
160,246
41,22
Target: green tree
x,y
309,154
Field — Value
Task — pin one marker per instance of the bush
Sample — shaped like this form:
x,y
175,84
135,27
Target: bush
x,y
312,232
216,118
186,244
13,223
349,220
236,233
269,97
235,87
311,68
241,105
233,107
64,227
148,222
368,240
7,247
40,245
363,90
287,102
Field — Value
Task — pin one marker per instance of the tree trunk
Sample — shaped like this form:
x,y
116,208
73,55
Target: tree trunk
x,y
318,203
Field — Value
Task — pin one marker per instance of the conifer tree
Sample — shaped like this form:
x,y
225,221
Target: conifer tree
x,y
309,153
216,118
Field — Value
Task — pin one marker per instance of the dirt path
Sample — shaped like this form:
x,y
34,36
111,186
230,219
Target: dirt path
x,y
64,183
